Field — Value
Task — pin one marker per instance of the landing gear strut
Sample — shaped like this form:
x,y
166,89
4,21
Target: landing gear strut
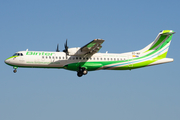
x,y
82,71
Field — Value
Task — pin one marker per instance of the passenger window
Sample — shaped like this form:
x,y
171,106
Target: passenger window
x,y
76,58
46,57
49,57
43,57
62,57
87,58
56,57
107,58
59,57
104,58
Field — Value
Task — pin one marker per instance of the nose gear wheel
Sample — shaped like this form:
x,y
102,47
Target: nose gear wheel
x,y
14,70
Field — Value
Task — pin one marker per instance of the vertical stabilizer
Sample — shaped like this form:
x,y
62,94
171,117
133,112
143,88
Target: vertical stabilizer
x,y
162,41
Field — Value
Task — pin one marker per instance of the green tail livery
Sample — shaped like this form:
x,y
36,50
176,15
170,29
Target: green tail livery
x,y
87,58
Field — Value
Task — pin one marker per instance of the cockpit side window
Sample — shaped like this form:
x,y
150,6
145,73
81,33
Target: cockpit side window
x,y
15,54
18,54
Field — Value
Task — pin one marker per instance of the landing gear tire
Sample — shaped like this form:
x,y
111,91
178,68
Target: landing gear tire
x,y
79,74
85,72
82,71
15,71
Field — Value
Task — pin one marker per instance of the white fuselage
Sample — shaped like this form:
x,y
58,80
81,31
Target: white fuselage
x,y
59,59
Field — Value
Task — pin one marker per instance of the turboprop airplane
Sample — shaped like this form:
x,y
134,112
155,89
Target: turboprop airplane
x,y
86,58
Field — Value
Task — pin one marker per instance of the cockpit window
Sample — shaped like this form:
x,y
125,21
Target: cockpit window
x,y
15,54
18,54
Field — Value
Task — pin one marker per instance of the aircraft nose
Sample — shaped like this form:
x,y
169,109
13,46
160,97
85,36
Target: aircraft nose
x,y
6,61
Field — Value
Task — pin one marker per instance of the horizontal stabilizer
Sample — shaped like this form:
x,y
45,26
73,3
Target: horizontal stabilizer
x,y
161,61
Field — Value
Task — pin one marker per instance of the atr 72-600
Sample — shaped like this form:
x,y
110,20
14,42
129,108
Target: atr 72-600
x,y
86,58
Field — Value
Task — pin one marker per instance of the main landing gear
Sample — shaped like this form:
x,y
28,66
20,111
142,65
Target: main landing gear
x,y
82,71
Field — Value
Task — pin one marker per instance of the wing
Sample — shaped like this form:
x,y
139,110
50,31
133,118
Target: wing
x,y
92,47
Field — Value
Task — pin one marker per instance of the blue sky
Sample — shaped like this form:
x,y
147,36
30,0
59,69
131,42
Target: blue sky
x,y
150,93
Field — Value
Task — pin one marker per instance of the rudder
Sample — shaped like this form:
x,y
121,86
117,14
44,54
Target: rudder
x,y
163,37
162,40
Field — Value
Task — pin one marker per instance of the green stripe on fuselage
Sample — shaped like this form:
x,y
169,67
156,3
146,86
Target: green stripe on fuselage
x,y
141,64
12,57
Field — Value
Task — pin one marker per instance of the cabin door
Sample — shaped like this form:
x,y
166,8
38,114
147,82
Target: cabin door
x,y
21,59
53,59
43,58
130,59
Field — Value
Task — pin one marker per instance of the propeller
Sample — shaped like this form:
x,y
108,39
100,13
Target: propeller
x,y
57,50
66,48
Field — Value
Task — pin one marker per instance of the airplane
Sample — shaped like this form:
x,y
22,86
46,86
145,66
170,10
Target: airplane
x,y
87,58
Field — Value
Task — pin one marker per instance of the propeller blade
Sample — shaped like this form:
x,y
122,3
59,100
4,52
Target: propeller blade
x,y
57,50
66,48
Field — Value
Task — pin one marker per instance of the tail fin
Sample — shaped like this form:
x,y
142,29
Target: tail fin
x,y
162,41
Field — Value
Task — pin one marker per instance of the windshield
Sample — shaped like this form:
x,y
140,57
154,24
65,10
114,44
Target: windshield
x,y
18,54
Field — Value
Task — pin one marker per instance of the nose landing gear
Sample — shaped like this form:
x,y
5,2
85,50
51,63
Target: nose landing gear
x,y
82,71
15,69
